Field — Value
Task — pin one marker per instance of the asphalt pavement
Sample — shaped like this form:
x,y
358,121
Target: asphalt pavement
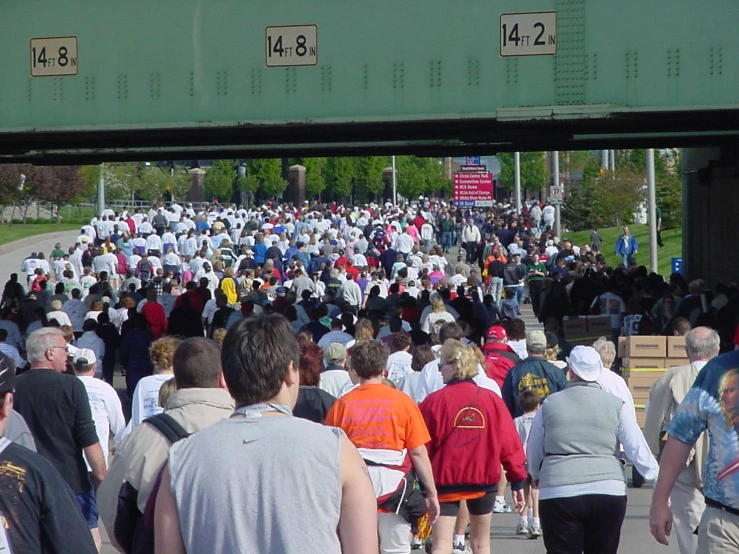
x,y
635,536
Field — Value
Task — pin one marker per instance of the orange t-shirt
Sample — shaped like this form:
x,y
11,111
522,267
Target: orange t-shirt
x,y
376,416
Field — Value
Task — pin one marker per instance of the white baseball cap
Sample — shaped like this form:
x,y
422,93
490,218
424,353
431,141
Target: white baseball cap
x,y
84,356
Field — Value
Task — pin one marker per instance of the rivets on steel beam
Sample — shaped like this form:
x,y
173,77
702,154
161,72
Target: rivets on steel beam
x,y
122,87
256,81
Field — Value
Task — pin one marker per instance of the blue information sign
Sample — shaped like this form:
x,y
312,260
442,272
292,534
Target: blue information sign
x,y
473,160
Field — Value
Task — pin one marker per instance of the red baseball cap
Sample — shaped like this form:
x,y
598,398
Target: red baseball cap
x,y
496,332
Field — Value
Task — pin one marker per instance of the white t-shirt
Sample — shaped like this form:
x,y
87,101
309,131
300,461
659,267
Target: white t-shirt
x,y
398,366
613,305
145,401
431,381
333,381
106,412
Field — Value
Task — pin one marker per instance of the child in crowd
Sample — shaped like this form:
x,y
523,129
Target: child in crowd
x,y
510,308
528,524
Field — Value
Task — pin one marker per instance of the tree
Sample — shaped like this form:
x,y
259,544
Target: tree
x,y
368,174
269,174
534,170
340,177
420,176
220,179
58,185
315,176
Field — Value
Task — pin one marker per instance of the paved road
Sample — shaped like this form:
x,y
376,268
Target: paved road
x,y
13,254
634,538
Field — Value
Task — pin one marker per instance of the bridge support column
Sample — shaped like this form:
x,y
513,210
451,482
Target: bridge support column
x,y
710,208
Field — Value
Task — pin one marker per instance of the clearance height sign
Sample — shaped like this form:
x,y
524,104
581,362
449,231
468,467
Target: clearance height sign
x,y
473,189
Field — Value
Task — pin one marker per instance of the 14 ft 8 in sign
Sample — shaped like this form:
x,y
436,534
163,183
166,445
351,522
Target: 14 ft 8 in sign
x,y
528,34
291,45
53,56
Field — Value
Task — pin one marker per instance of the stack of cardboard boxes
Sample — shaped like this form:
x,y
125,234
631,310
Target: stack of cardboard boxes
x,y
643,360
585,330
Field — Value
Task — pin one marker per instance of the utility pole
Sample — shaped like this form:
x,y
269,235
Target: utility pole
x,y
101,190
556,184
613,161
517,193
395,185
604,159
651,210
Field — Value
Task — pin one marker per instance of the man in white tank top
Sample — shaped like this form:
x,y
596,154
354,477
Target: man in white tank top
x,y
264,462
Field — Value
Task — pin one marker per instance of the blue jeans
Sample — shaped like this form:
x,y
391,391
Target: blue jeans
x,y
626,259
496,288
519,294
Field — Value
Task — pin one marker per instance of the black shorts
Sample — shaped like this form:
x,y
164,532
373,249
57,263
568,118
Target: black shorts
x,y
477,506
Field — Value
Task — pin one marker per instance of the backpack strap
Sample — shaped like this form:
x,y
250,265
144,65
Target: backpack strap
x,y
167,426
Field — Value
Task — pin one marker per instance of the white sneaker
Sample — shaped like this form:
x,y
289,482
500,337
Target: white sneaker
x,y
461,548
416,543
522,529
534,530
500,507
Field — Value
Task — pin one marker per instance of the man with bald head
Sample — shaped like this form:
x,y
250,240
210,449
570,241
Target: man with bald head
x,y
665,396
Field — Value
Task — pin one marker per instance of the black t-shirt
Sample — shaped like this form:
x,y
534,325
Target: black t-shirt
x,y
57,411
38,512
313,404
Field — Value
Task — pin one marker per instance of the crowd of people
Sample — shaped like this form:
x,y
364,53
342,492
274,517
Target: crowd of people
x,y
380,348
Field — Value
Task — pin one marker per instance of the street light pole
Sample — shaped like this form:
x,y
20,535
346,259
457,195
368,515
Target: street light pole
x,y
395,185
604,159
101,190
557,205
517,158
651,211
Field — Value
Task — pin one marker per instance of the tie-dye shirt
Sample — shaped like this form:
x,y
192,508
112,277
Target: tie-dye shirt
x,y
713,404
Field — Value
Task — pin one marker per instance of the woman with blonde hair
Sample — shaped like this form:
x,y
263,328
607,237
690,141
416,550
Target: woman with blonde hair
x,y
145,400
552,350
472,434
438,316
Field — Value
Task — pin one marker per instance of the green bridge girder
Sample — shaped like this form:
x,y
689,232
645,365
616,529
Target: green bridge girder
x,y
172,78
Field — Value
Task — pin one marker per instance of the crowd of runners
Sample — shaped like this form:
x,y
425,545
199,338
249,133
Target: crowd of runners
x,y
366,365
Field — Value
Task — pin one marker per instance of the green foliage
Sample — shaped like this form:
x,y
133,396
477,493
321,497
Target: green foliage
x,y
534,170
315,176
368,175
669,189
340,176
574,161
420,176
219,180
603,201
268,173
591,171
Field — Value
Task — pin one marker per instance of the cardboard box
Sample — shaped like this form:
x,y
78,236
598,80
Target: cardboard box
x,y
583,341
676,348
674,362
599,326
621,347
637,380
646,347
642,363
574,327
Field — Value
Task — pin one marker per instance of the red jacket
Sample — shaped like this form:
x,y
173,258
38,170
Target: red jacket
x,y
500,359
472,434
154,314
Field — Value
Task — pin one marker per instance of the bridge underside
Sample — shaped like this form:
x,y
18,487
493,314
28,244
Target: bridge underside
x,y
524,130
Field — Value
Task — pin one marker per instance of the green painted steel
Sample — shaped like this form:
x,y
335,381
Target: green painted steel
x,y
153,64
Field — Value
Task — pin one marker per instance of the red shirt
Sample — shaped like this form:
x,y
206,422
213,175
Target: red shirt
x,y
353,271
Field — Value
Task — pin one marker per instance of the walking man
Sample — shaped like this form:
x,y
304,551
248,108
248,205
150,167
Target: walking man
x,y
712,404
667,393
626,247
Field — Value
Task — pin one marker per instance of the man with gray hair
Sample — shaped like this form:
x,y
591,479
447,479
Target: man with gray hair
x,y
57,412
665,396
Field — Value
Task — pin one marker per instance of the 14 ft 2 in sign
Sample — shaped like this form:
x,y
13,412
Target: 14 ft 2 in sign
x,y
528,34
291,45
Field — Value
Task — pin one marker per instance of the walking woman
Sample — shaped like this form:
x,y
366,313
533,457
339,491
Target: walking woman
x,y
472,434
573,454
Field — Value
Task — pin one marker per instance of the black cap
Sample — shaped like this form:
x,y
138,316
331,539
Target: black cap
x,y
7,374
552,340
